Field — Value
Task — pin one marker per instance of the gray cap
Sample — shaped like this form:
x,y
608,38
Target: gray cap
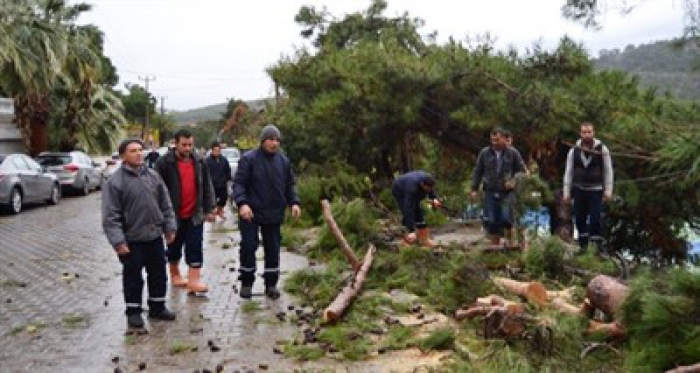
x,y
270,132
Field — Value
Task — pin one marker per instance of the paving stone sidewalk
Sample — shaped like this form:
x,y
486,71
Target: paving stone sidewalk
x,y
61,308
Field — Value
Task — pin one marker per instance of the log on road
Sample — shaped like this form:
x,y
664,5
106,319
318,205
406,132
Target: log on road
x,y
350,292
342,242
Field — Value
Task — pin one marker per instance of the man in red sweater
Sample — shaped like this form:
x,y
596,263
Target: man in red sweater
x,y
191,192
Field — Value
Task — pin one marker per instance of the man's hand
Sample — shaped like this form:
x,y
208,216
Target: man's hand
x,y
436,203
210,218
474,194
122,249
169,237
245,213
411,237
607,197
296,212
566,199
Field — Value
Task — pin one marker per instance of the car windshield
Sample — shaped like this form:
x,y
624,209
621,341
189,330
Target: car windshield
x,y
53,160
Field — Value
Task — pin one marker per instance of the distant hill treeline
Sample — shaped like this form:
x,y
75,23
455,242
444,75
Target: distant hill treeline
x,y
210,112
673,69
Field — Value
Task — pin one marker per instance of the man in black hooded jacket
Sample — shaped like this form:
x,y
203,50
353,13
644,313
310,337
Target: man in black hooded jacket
x,y
262,189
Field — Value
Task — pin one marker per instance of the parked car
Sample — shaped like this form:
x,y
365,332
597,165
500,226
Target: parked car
x,y
232,155
108,164
22,181
75,170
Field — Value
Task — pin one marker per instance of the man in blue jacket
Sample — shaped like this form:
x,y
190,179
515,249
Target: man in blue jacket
x,y
409,190
262,189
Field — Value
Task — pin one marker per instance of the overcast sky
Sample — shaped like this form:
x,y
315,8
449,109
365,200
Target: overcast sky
x,y
206,51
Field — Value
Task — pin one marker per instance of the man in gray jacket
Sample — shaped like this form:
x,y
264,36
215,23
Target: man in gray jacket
x,y
136,212
496,167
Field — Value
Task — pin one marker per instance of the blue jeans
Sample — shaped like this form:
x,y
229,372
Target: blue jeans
x,y
588,208
497,213
191,237
149,255
272,238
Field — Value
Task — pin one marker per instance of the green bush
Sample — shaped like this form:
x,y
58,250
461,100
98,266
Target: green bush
x,y
545,258
661,316
357,221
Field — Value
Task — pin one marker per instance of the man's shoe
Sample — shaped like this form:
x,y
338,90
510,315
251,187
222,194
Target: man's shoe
x,y
135,320
165,314
272,292
246,292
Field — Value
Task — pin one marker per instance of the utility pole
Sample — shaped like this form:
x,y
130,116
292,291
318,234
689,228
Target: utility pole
x,y
164,131
147,79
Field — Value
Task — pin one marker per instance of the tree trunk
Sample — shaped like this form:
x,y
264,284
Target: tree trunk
x,y
612,329
350,292
606,293
686,369
342,242
533,291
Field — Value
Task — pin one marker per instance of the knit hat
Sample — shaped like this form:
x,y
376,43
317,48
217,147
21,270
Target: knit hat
x,y
270,132
125,143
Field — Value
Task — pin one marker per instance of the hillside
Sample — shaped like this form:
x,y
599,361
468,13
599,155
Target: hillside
x,y
661,64
210,112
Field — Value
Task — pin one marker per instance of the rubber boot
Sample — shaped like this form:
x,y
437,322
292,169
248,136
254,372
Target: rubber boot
x,y
194,283
175,277
424,238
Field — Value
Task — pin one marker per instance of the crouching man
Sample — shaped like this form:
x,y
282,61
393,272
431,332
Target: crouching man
x,y
136,212
409,190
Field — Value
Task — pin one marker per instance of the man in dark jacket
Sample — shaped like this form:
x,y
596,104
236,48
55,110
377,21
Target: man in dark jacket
x,y
409,190
220,172
589,178
262,189
192,195
136,212
496,167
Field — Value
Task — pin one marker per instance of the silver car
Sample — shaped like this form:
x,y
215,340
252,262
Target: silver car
x,y
75,170
23,181
232,155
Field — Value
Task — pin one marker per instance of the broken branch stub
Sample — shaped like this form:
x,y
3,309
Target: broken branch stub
x,y
350,292
342,242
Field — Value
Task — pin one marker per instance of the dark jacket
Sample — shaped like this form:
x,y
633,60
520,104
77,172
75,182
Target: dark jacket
x,y
166,166
487,171
265,182
408,193
136,206
220,171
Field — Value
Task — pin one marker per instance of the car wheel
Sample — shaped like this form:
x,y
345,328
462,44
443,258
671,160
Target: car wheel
x,y
15,201
86,187
55,197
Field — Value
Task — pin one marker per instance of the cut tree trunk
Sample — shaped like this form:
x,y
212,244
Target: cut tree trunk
x,y
342,242
606,293
350,292
563,306
611,329
484,305
686,369
533,291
